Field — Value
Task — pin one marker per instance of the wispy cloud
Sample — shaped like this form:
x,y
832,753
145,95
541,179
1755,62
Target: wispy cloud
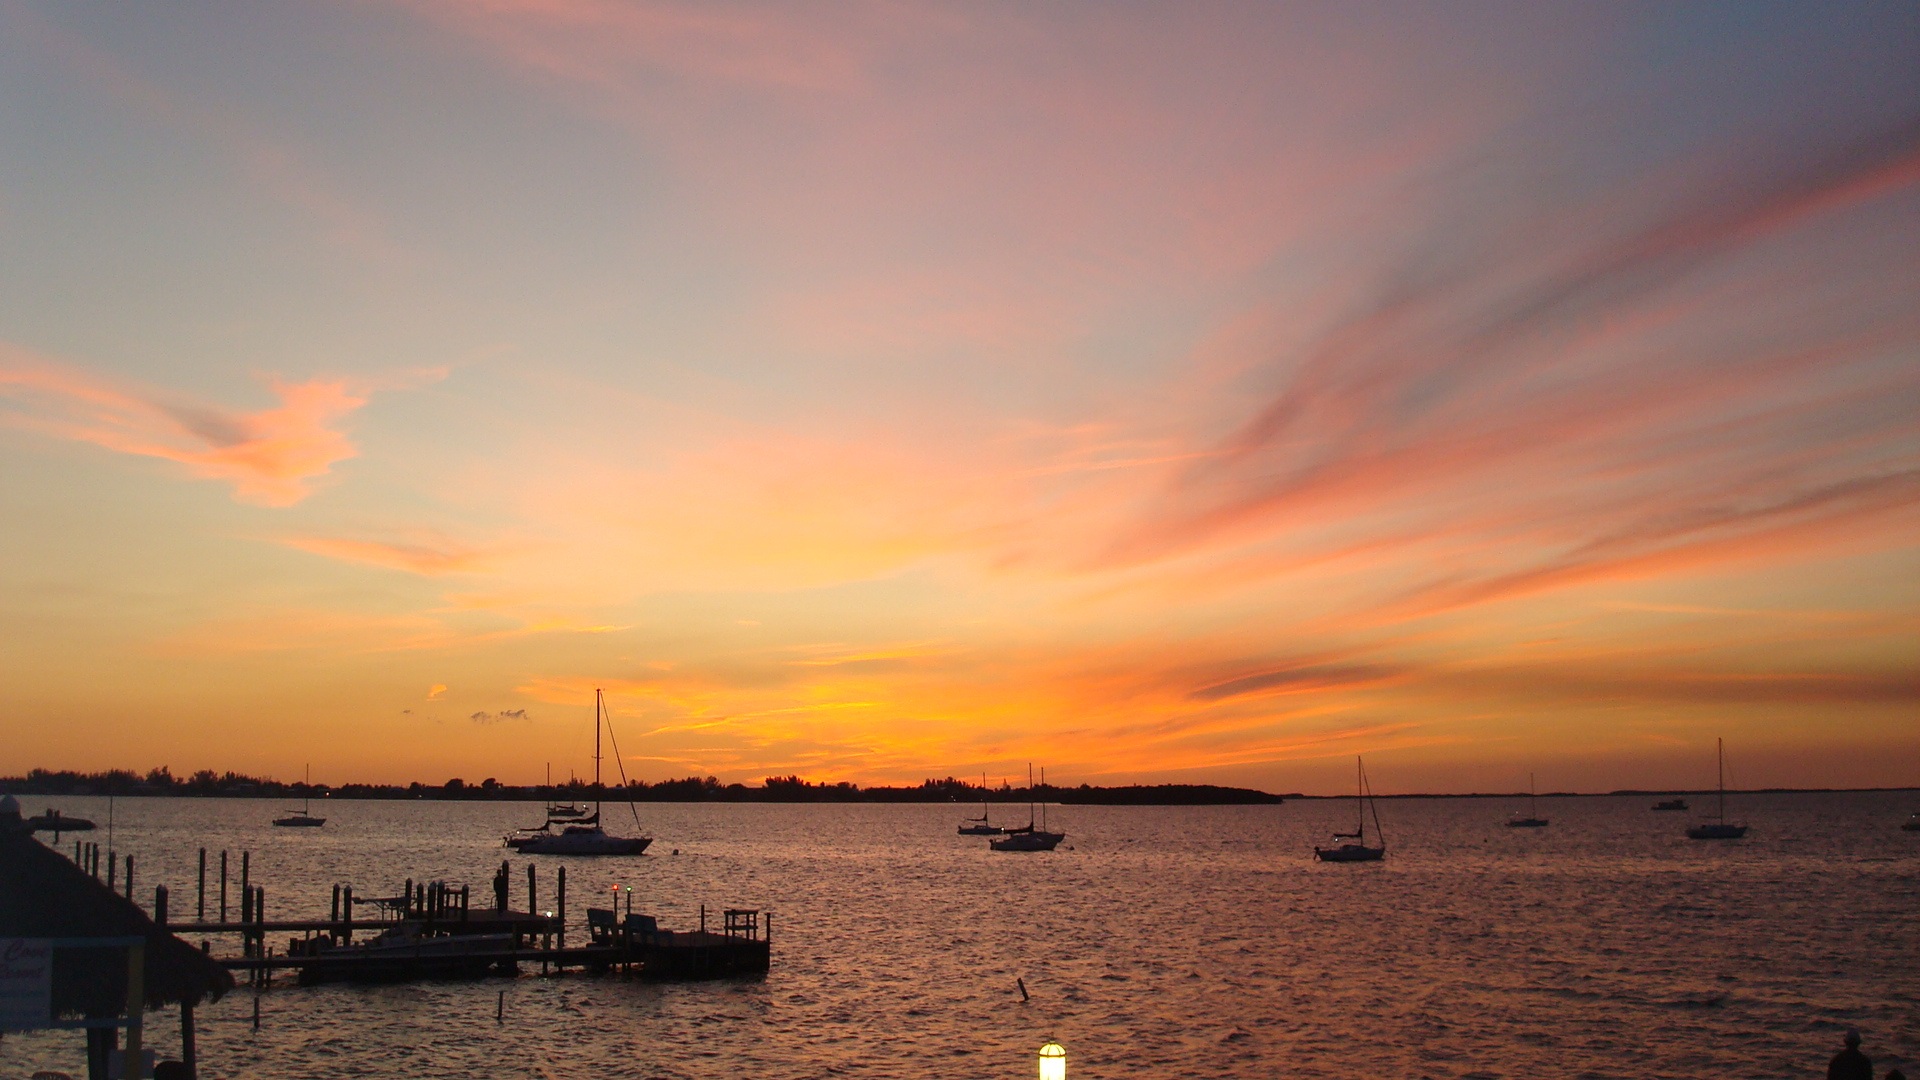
x,y
428,555
271,457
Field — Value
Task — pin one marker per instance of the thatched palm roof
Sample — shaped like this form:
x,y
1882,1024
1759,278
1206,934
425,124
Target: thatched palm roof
x,y
42,895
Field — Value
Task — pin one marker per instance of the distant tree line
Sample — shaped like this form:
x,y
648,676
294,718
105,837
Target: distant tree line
x,y
775,789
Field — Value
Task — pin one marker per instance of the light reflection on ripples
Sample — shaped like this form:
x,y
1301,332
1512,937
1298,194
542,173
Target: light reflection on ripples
x,y
1168,942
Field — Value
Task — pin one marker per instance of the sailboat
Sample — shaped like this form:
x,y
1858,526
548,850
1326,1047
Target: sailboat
x,y
1533,820
1028,837
582,836
980,826
1718,829
304,817
1352,847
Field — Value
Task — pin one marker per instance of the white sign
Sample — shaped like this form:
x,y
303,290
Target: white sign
x,y
26,983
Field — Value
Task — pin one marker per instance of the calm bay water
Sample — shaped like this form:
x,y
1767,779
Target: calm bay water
x,y
1168,942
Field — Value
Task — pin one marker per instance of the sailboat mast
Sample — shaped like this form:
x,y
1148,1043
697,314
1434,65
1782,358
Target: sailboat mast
x,y
1720,758
1359,804
596,755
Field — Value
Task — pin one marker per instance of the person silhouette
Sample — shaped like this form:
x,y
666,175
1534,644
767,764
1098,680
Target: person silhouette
x,y
1850,1063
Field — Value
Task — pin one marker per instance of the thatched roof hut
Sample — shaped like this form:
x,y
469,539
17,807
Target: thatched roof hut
x,y
43,895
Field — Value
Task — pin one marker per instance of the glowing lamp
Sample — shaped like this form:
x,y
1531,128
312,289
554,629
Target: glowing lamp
x,y
1053,1061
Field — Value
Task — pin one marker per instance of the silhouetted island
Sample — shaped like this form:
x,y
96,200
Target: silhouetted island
x,y
776,789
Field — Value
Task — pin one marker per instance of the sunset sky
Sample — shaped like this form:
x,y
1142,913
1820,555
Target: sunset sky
x,y
1157,392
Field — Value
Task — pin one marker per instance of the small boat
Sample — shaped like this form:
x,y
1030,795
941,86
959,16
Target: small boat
x,y
1352,847
54,821
1671,804
980,826
580,836
1718,829
303,818
1028,837
1532,820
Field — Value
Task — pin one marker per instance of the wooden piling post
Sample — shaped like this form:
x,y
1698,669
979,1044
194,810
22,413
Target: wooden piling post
x,y
160,905
223,886
188,1053
533,902
113,861
346,909
200,903
406,901
246,877
560,905
129,877
333,910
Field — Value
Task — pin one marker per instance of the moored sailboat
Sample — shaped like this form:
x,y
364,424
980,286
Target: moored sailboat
x,y
1532,820
584,835
1352,847
1718,829
1029,837
303,818
980,826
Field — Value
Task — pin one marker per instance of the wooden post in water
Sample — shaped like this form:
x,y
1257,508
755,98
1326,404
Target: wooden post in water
x,y
188,1055
136,1008
200,903
246,878
223,886
560,905
113,861
129,877
406,901
346,909
160,905
533,900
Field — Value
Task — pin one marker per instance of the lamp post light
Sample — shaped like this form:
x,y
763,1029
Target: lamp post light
x,y
1053,1061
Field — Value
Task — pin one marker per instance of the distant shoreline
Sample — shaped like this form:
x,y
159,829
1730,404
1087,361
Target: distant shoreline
x,y
161,784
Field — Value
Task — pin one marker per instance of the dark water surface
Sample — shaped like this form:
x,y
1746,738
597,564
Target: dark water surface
x,y
1168,942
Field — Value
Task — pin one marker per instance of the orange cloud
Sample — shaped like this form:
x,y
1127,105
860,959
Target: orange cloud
x,y
431,556
271,457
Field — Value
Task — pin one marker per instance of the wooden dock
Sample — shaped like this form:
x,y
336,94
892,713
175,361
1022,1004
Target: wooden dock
x,y
430,930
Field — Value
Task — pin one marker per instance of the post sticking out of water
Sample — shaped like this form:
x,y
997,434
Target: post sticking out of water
x,y
560,905
246,857
112,862
129,877
346,909
160,905
200,901
533,902
223,886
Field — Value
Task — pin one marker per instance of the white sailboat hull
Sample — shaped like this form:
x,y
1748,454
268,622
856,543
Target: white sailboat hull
x,y
1028,841
580,842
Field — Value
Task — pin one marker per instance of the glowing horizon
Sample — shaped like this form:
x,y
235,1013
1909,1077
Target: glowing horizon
x,y
877,394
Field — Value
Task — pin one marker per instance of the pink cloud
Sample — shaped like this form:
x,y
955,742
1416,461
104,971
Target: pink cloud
x,y
271,457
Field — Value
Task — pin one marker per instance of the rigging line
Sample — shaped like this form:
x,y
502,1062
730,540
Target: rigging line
x,y
1377,830
624,782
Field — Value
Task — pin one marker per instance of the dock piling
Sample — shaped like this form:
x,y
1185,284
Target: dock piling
x,y
223,886
346,909
533,902
200,903
160,905
129,876
112,862
560,907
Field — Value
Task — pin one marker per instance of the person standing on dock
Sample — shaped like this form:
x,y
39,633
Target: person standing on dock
x,y
500,890
1850,1063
